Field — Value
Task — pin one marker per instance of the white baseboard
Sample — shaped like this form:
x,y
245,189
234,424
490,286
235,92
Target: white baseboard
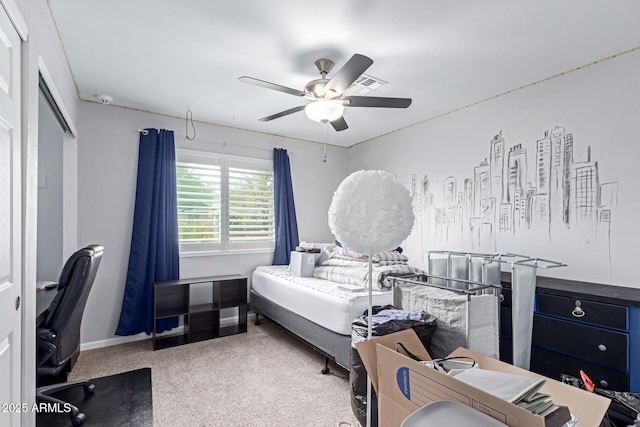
x,y
116,340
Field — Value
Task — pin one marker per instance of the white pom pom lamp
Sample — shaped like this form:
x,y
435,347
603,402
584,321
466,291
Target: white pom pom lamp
x,y
371,212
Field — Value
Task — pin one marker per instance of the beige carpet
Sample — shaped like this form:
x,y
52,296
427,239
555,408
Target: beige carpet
x,y
261,378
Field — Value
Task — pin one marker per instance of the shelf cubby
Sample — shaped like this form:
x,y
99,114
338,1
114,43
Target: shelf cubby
x,y
180,298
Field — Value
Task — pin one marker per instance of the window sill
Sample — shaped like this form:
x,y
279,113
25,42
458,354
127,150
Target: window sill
x,y
192,254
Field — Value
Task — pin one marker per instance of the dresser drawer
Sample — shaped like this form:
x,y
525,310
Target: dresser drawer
x,y
611,315
586,342
553,365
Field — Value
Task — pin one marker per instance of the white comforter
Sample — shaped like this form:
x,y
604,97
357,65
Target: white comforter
x,y
355,270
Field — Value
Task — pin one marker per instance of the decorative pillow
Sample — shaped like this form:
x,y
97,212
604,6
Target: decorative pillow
x,y
326,249
324,255
390,256
346,253
320,246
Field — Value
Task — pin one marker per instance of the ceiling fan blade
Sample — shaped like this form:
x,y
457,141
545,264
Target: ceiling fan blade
x,y
348,74
270,85
376,101
283,113
339,124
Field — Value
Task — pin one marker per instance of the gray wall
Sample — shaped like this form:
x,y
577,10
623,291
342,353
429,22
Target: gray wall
x,y
50,228
598,106
107,165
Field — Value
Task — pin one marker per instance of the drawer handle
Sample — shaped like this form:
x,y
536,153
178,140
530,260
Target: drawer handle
x,y
602,347
501,297
603,383
578,311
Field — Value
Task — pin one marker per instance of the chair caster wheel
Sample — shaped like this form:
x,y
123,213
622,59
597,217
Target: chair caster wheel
x,y
325,371
89,389
78,419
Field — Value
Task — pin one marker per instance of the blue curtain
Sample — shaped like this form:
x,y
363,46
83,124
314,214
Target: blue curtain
x,y
285,208
154,254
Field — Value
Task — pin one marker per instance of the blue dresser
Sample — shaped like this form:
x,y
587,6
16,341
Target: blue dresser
x,y
581,326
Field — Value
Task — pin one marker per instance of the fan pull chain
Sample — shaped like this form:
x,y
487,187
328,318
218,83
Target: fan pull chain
x,y
324,139
189,118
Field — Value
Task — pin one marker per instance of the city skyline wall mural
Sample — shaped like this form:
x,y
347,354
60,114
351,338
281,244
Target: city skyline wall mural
x,y
540,192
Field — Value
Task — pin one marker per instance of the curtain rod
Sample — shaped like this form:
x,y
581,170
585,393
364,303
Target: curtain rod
x,y
224,144
144,131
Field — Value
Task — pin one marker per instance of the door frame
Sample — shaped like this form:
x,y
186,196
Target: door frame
x,y
32,66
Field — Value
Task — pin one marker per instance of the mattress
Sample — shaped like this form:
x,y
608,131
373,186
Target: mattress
x,y
323,302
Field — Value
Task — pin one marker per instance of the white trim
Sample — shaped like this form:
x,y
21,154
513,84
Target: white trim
x,y
113,341
193,254
15,16
69,195
213,154
142,336
46,76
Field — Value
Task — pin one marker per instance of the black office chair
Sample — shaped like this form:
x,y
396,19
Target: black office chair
x,y
58,337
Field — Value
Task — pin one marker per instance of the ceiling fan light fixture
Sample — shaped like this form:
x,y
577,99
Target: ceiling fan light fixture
x,y
324,110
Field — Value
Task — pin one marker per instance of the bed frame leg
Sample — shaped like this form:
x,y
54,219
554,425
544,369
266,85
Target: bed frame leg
x,y
325,371
257,322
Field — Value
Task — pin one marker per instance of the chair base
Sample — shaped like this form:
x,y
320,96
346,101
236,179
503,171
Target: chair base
x,y
43,394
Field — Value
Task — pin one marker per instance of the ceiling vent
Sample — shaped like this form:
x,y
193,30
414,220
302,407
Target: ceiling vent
x,y
366,84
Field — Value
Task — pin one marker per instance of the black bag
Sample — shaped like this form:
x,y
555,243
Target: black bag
x,y
624,408
424,328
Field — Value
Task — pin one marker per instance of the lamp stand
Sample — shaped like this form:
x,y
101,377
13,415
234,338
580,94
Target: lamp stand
x,y
369,334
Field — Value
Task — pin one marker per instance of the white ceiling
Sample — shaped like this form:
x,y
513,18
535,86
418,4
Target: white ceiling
x,y
167,56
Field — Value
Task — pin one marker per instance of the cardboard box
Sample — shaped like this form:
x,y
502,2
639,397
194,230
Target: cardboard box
x,y
404,385
302,264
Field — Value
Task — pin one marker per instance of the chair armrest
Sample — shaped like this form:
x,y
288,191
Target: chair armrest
x,y
43,285
45,334
46,348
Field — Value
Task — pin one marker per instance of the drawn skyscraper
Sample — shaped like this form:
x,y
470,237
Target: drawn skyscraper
x,y
517,162
517,178
585,191
543,164
481,186
427,197
567,166
450,191
496,164
540,205
556,186
468,197
428,208
608,200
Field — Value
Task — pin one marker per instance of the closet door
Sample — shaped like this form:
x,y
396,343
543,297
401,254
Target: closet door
x,y
10,225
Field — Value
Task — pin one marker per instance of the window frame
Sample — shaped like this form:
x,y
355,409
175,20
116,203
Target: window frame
x,y
225,161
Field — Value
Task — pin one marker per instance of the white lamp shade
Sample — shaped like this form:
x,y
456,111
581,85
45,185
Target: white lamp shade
x,y
324,110
371,212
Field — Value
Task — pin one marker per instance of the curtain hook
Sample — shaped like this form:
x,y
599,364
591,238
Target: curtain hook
x,y
189,118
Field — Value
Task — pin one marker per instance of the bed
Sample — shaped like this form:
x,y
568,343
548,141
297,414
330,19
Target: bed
x,y
320,309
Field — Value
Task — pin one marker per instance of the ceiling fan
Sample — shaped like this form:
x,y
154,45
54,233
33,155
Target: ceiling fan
x,y
327,95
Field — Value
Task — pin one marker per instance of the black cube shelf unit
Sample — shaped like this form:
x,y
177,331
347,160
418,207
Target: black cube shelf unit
x,y
201,320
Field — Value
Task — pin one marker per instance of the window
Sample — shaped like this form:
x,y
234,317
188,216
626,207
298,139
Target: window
x,y
224,203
